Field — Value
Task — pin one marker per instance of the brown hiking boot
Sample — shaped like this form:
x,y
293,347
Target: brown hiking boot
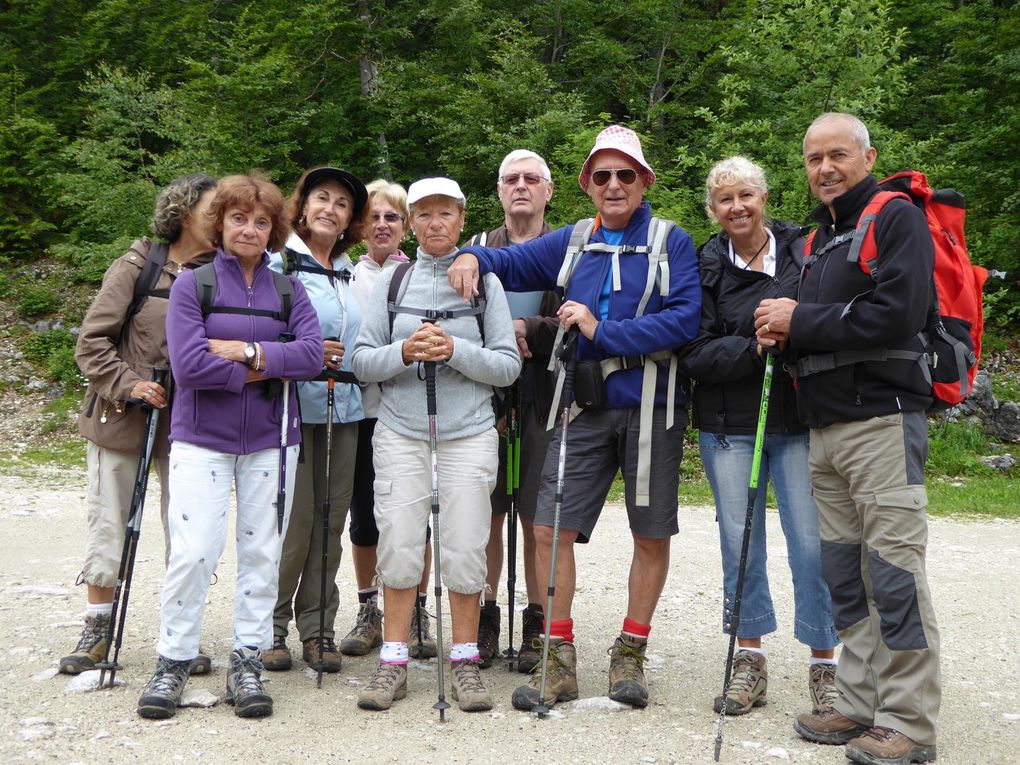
x,y
488,634
885,746
426,647
277,658
560,681
531,631
467,688
626,672
822,686
91,646
366,633
748,684
828,727
330,655
388,684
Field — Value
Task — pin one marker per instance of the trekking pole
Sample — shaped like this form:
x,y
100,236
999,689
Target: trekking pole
x,y
567,358
281,492
513,483
752,496
131,534
430,398
330,381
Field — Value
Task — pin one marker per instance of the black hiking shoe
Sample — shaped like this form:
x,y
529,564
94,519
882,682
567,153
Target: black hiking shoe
x,y
531,634
244,685
162,694
488,634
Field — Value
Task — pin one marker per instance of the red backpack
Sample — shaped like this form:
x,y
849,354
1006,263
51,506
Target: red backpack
x,y
957,321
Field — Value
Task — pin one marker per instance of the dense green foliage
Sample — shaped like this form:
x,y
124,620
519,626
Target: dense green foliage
x,y
106,101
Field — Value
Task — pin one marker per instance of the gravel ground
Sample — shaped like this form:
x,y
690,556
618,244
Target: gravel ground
x,y
44,718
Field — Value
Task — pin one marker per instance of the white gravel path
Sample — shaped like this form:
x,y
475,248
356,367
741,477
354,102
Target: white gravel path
x,y
973,570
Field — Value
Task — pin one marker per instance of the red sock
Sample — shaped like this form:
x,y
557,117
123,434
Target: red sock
x,y
563,628
635,629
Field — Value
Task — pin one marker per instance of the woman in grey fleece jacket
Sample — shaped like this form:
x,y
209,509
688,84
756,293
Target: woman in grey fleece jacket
x,y
467,370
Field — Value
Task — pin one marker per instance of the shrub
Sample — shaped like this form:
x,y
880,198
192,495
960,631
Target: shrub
x,y
36,300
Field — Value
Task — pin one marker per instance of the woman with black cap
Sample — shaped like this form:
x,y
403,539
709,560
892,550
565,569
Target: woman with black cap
x,y
324,210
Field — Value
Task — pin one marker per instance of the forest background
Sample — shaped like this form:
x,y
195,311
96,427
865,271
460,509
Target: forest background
x,y
105,102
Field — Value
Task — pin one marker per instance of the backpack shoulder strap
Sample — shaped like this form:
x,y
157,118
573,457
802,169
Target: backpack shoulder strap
x,y
658,261
579,237
864,234
205,284
285,289
145,284
398,286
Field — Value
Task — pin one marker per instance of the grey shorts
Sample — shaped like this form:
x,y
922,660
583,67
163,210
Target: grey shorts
x,y
600,442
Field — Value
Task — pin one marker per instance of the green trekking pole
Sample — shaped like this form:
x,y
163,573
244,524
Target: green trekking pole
x,y
752,496
513,484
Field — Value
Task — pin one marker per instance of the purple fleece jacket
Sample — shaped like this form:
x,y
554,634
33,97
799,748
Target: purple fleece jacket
x,y
213,406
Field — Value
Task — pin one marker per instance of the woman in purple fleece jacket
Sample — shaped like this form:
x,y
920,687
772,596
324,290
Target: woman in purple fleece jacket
x,y
224,430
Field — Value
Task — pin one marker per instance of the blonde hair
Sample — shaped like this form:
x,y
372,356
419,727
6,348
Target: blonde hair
x,y
392,193
728,172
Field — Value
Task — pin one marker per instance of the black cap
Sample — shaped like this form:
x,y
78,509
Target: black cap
x,y
349,180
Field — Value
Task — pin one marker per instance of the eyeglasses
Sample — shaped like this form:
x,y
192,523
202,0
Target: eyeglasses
x,y
625,175
389,217
241,221
531,179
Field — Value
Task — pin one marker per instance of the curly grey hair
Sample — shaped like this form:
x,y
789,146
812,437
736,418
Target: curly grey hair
x,y
730,171
175,202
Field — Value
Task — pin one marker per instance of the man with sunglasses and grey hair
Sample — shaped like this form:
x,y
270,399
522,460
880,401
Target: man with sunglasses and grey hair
x,y
630,286
524,187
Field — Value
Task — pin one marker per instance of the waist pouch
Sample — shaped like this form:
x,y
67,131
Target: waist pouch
x,y
589,385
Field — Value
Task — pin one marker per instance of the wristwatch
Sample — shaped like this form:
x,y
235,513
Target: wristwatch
x,y
249,353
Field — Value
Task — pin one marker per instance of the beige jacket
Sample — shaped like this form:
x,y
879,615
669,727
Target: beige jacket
x,y
113,367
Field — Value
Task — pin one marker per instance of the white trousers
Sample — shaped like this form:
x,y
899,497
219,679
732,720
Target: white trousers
x,y
200,487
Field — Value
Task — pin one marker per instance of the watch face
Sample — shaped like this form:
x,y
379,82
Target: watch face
x,y
249,351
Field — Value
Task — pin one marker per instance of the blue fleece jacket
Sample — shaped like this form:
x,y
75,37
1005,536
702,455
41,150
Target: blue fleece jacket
x,y
667,323
213,406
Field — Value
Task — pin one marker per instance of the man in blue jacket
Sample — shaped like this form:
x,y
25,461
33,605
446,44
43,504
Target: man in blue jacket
x,y
631,288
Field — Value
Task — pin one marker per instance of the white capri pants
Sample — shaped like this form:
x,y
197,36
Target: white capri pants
x,y
200,486
108,504
403,504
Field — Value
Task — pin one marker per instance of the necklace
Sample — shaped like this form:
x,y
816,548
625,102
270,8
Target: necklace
x,y
748,263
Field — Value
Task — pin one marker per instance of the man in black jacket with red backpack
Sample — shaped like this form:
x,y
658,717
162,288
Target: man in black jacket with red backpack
x,y
869,442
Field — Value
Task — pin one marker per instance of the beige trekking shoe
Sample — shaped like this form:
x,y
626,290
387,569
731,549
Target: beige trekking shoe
x,y
467,688
277,658
748,684
822,686
626,672
885,746
560,681
426,647
91,646
388,684
366,633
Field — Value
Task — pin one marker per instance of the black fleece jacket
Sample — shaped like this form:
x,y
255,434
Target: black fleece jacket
x,y
840,308
723,361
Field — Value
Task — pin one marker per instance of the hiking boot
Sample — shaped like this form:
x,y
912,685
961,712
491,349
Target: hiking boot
x,y
748,684
201,664
488,635
426,648
822,686
244,685
531,634
277,658
162,693
828,727
91,646
467,688
560,681
366,633
885,746
330,655
626,672
388,684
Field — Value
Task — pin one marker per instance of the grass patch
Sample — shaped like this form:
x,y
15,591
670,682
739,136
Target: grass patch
x,y
68,453
986,496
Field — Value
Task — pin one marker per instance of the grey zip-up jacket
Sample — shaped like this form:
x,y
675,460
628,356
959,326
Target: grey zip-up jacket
x,y
464,384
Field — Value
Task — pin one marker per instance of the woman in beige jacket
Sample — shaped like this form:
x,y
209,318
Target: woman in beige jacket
x,y
121,340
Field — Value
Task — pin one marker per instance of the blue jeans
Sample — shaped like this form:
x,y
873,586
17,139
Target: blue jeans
x,y
784,460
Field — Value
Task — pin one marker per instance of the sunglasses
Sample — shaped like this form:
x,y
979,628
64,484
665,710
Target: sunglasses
x,y
625,175
530,179
390,217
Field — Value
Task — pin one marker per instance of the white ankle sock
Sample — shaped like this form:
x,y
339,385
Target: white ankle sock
x,y
759,651
393,653
464,652
98,609
818,660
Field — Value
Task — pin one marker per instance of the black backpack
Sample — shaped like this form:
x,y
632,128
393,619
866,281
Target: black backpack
x,y
205,284
398,285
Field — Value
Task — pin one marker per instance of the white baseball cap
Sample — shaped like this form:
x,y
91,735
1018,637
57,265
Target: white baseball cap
x,y
430,187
